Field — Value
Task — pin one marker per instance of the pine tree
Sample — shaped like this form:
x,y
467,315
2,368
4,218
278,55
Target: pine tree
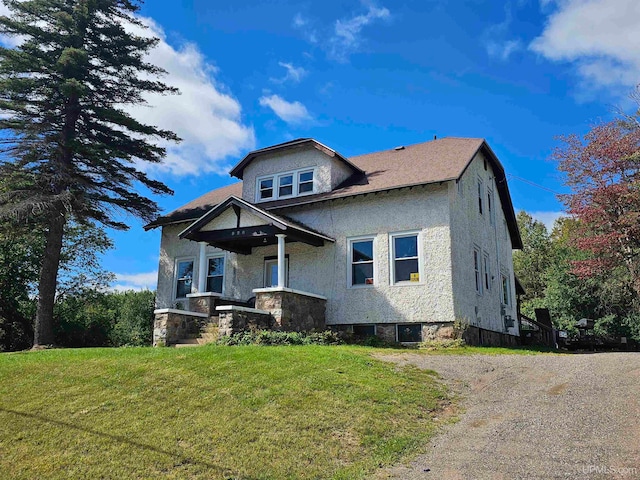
x,y
69,148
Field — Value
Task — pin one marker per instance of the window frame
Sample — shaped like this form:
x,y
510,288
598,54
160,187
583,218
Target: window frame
x,y
392,258
295,184
398,325
505,281
486,272
373,325
176,264
224,270
274,259
350,242
477,270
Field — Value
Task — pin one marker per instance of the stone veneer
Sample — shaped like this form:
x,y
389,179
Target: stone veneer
x,y
234,319
207,302
171,325
293,310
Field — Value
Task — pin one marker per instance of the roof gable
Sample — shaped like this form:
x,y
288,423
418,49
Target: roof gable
x,y
238,170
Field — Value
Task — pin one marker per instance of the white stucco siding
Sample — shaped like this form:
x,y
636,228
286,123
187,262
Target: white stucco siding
x,y
469,230
324,270
172,250
328,172
228,219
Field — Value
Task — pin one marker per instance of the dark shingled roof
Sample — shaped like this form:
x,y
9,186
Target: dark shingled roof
x,y
421,164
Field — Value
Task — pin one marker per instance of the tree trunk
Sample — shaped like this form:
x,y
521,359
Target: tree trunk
x,y
43,334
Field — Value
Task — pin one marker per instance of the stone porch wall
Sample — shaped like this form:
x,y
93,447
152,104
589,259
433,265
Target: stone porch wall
x,y
170,325
234,319
293,310
208,302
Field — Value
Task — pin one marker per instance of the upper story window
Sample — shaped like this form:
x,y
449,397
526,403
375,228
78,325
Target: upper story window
x,y
285,185
506,290
480,195
477,268
490,206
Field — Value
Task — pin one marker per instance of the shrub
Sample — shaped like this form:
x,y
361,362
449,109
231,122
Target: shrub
x,y
274,337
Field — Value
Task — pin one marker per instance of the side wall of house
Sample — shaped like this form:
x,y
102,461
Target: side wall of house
x,y
490,238
329,172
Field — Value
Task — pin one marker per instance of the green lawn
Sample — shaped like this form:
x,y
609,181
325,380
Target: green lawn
x,y
210,412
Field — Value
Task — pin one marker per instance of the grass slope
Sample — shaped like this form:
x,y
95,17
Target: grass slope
x,y
210,412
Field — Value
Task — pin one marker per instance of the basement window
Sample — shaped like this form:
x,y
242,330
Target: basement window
x,y
364,331
409,333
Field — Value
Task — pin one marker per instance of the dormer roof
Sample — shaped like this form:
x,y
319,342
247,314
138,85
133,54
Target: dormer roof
x,y
238,170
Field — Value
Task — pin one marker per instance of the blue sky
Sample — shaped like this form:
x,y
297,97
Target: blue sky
x,y
362,76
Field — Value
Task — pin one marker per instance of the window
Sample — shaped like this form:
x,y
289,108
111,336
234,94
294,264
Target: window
x,y
480,195
266,189
478,270
490,206
405,259
215,274
361,262
184,277
271,271
487,273
364,331
460,188
409,333
506,290
285,185
305,182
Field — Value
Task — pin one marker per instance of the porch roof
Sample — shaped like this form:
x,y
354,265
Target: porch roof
x,y
242,239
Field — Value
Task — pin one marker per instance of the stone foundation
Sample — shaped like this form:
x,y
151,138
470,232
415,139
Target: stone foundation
x,y
235,319
293,310
171,325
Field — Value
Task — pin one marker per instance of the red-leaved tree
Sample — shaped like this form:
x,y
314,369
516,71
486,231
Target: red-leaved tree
x,y
603,171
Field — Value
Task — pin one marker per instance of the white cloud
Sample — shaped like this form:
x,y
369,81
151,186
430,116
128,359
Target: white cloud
x,y
294,74
301,23
136,281
600,38
206,118
548,218
204,115
346,36
290,112
502,50
496,40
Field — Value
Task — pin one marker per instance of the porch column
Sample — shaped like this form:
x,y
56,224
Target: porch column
x,y
281,257
202,267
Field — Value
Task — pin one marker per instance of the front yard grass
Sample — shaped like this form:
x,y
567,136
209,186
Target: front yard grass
x,y
212,412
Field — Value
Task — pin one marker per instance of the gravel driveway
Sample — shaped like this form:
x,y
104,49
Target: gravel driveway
x,y
545,417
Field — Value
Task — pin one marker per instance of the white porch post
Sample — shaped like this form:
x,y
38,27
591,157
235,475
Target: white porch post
x,y
281,257
202,267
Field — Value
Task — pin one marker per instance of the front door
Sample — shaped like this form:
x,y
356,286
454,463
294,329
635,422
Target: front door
x,y
271,271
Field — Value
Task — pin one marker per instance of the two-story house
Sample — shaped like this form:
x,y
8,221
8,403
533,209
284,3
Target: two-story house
x,y
399,243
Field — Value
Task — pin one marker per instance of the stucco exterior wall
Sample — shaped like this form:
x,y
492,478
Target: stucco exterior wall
x,y
173,249
323,270
329,172
469,229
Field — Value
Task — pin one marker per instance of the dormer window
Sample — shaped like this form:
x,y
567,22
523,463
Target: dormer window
x,y
285,185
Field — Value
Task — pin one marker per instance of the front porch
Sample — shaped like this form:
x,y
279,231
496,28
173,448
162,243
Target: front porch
x,y
275,306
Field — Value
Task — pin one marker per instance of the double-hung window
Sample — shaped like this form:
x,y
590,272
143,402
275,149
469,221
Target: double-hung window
x,y
215,274
266,189
285,185
506,290
361,261
477,267
486,272
480,195
405,261
184,277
